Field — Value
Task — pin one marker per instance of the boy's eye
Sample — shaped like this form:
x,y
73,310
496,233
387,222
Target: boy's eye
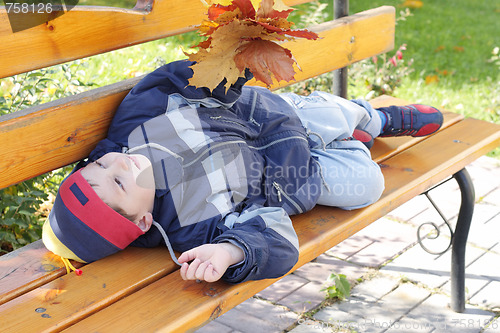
x,y
119,183
99,164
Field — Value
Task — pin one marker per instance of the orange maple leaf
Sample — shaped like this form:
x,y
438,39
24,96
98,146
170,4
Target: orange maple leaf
x,y
240,35
266,59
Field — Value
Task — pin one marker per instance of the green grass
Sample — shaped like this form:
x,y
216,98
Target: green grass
x,y
454,40
457,36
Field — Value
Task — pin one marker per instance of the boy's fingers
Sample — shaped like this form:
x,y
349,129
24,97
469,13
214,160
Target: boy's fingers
x,y
211,275
183,271
200,272
191,271
186,256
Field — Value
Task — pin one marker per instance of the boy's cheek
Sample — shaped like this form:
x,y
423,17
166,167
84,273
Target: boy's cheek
x,y
145,179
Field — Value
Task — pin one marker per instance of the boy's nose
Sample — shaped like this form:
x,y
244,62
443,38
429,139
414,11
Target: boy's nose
x,y
122,162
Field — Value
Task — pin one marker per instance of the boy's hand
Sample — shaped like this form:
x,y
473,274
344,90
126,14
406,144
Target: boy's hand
x,y
209,261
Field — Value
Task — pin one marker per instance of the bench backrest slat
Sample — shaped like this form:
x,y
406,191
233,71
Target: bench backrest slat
x,y
67,129
49,136
86,30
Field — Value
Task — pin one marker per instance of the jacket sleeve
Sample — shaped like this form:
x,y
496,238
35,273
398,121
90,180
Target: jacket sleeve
x,y
267,237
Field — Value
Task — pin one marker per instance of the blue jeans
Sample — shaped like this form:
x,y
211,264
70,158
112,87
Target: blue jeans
x,y
351,179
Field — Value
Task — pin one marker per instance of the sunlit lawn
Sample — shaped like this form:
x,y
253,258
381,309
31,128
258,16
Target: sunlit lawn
x,y
451,43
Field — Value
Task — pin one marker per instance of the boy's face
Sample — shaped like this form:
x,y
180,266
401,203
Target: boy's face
x,y
125,183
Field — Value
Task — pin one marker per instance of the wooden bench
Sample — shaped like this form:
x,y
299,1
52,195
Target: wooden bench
x,y
118,293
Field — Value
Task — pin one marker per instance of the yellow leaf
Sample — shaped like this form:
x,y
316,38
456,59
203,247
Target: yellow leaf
x,y
206,26
228,16
280,6
431,79
413,4
210,72
255,4
270,8
458,49
10,190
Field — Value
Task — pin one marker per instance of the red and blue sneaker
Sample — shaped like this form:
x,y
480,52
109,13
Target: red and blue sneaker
x,y
412,120
364,137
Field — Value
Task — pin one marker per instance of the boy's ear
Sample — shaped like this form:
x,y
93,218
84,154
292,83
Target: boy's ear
x,y
145,222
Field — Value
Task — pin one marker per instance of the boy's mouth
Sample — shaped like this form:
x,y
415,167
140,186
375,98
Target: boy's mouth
x,y
135,161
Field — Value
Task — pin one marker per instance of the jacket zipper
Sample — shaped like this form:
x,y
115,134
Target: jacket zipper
x,y
278,189
218,145
282,193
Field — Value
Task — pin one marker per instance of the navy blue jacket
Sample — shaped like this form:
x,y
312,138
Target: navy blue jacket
x,y
229,166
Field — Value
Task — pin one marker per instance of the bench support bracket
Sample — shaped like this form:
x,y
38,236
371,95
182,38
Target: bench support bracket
x,y
458,240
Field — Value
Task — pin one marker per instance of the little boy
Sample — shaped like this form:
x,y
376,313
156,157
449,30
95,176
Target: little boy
x,y
219,173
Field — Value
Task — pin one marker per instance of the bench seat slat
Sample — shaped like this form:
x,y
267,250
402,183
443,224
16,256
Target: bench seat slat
x,y
318,231
26,269
68,129
66,299
16,283
172,303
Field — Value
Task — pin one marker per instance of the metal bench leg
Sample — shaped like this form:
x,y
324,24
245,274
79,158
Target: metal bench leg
x,y
460,240
339,88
